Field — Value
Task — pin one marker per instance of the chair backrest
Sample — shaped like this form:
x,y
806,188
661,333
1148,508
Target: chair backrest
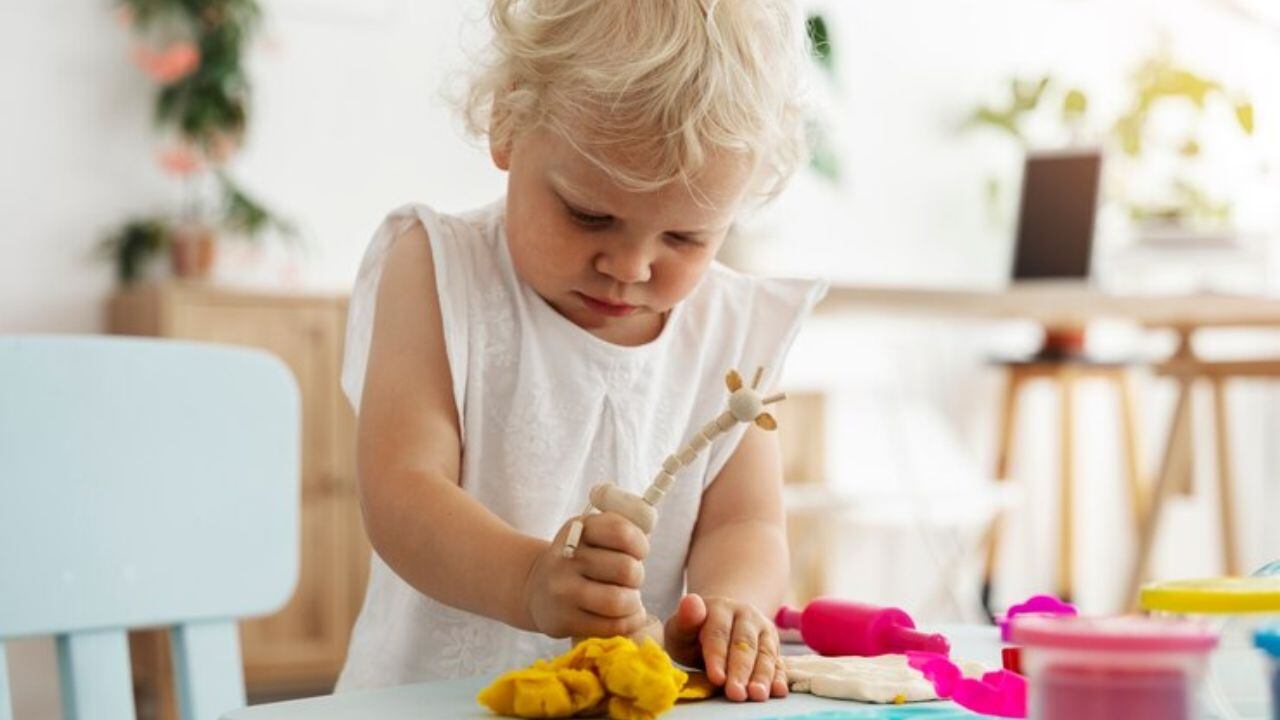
x,y
144,483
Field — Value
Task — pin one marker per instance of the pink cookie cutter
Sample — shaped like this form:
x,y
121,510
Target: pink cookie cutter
x,y
1035,605
1000,693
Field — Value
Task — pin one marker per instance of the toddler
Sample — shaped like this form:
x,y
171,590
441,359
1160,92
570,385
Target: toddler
x,y
577,331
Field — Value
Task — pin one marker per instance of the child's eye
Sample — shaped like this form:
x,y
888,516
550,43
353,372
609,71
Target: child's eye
x,y
678,239
587,219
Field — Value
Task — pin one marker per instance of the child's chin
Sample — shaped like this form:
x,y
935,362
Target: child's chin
x,y
590,322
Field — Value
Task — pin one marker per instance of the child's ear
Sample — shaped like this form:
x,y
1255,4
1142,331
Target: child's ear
x,y
500,150
501,153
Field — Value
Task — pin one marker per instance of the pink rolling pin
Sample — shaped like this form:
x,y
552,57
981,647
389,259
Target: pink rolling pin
x,y
841,627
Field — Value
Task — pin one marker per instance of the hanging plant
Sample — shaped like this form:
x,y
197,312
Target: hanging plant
x,y
193,50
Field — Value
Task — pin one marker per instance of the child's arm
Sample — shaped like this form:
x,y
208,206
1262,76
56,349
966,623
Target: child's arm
x,y
438,538
739,565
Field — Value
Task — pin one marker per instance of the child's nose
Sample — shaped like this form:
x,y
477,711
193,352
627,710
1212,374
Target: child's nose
x,y
626,264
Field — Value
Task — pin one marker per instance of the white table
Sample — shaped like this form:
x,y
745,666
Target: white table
x,y
1060,304
457,698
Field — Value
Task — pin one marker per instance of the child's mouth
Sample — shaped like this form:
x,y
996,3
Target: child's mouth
x,y
604,307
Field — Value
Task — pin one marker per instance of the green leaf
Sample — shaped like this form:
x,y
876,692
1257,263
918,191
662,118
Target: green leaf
x,y
1128,130
1004,120
820,39
1244,116
131,246
1027,93
244,214
1074,105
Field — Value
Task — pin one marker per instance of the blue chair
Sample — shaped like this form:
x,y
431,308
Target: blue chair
x,y
144,483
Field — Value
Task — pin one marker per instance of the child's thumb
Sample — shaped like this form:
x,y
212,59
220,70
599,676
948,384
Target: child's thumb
x,y
690,615
680,635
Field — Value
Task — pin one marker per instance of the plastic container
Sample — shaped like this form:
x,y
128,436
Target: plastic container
x,y
1236,688
1268,639
1120,668
843,627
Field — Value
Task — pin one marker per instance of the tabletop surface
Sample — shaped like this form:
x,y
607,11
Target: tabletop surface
x,y
1059,304
457,698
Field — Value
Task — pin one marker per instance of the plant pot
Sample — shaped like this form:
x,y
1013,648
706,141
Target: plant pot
x,y
192,250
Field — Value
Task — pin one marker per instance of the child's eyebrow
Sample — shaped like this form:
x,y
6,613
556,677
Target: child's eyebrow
x,y
564,186
702,231
580,196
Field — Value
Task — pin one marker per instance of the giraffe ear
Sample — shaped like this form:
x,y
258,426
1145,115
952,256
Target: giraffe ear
x,y
766,421
733,381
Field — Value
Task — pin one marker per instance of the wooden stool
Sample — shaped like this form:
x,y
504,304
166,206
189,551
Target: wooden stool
x,y
1065,372
1186,368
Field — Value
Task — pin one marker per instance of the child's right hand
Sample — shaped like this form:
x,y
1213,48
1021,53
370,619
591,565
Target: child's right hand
x,y
596,593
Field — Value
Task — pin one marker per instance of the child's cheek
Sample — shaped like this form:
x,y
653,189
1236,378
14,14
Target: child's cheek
x,y
680,278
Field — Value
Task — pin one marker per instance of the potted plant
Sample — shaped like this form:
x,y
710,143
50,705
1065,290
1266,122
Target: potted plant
x,y
1156,147
192,50
1170,198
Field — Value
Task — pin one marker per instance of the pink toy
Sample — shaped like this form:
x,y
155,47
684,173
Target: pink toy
x,y
841,627
1117,668
1000,693
1036,605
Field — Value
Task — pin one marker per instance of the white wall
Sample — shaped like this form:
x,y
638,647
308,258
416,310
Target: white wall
x,y
74,129
348,121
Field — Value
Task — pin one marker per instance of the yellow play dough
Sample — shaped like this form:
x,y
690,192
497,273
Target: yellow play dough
x,y
599,676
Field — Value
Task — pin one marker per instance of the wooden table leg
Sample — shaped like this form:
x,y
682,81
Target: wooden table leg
x,y
1132,449
1226,494
1004,451
1185,356
1172,468
1067,450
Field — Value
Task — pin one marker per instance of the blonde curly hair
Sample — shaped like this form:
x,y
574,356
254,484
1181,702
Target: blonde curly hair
x,y
648,90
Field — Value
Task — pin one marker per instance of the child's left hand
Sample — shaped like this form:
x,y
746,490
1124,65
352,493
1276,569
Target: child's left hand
x,y
733,641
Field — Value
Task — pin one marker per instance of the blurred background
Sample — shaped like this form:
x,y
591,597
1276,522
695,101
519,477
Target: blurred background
x,y
218,179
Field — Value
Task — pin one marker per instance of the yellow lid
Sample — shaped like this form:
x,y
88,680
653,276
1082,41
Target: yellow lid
x,y
1214,595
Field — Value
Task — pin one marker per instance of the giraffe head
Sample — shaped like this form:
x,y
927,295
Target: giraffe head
x,y
746,404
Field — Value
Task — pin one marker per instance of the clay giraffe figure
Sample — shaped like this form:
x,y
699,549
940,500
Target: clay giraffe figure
x,y
745,405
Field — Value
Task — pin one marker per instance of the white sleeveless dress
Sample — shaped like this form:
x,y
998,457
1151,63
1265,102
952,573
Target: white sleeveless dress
x,y
547,410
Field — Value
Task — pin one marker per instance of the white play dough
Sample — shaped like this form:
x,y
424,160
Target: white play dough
x,y
883,679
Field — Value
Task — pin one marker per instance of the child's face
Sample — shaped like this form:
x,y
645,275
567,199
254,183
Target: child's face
x,y
612,260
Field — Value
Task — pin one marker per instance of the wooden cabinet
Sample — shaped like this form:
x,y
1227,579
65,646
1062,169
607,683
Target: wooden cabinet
x,y
299,650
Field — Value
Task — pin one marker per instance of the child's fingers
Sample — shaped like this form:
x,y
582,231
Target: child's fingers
x,y
760,686
715,641
611,531
769,642
743,649
586,624
609,601
609,566
780,688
